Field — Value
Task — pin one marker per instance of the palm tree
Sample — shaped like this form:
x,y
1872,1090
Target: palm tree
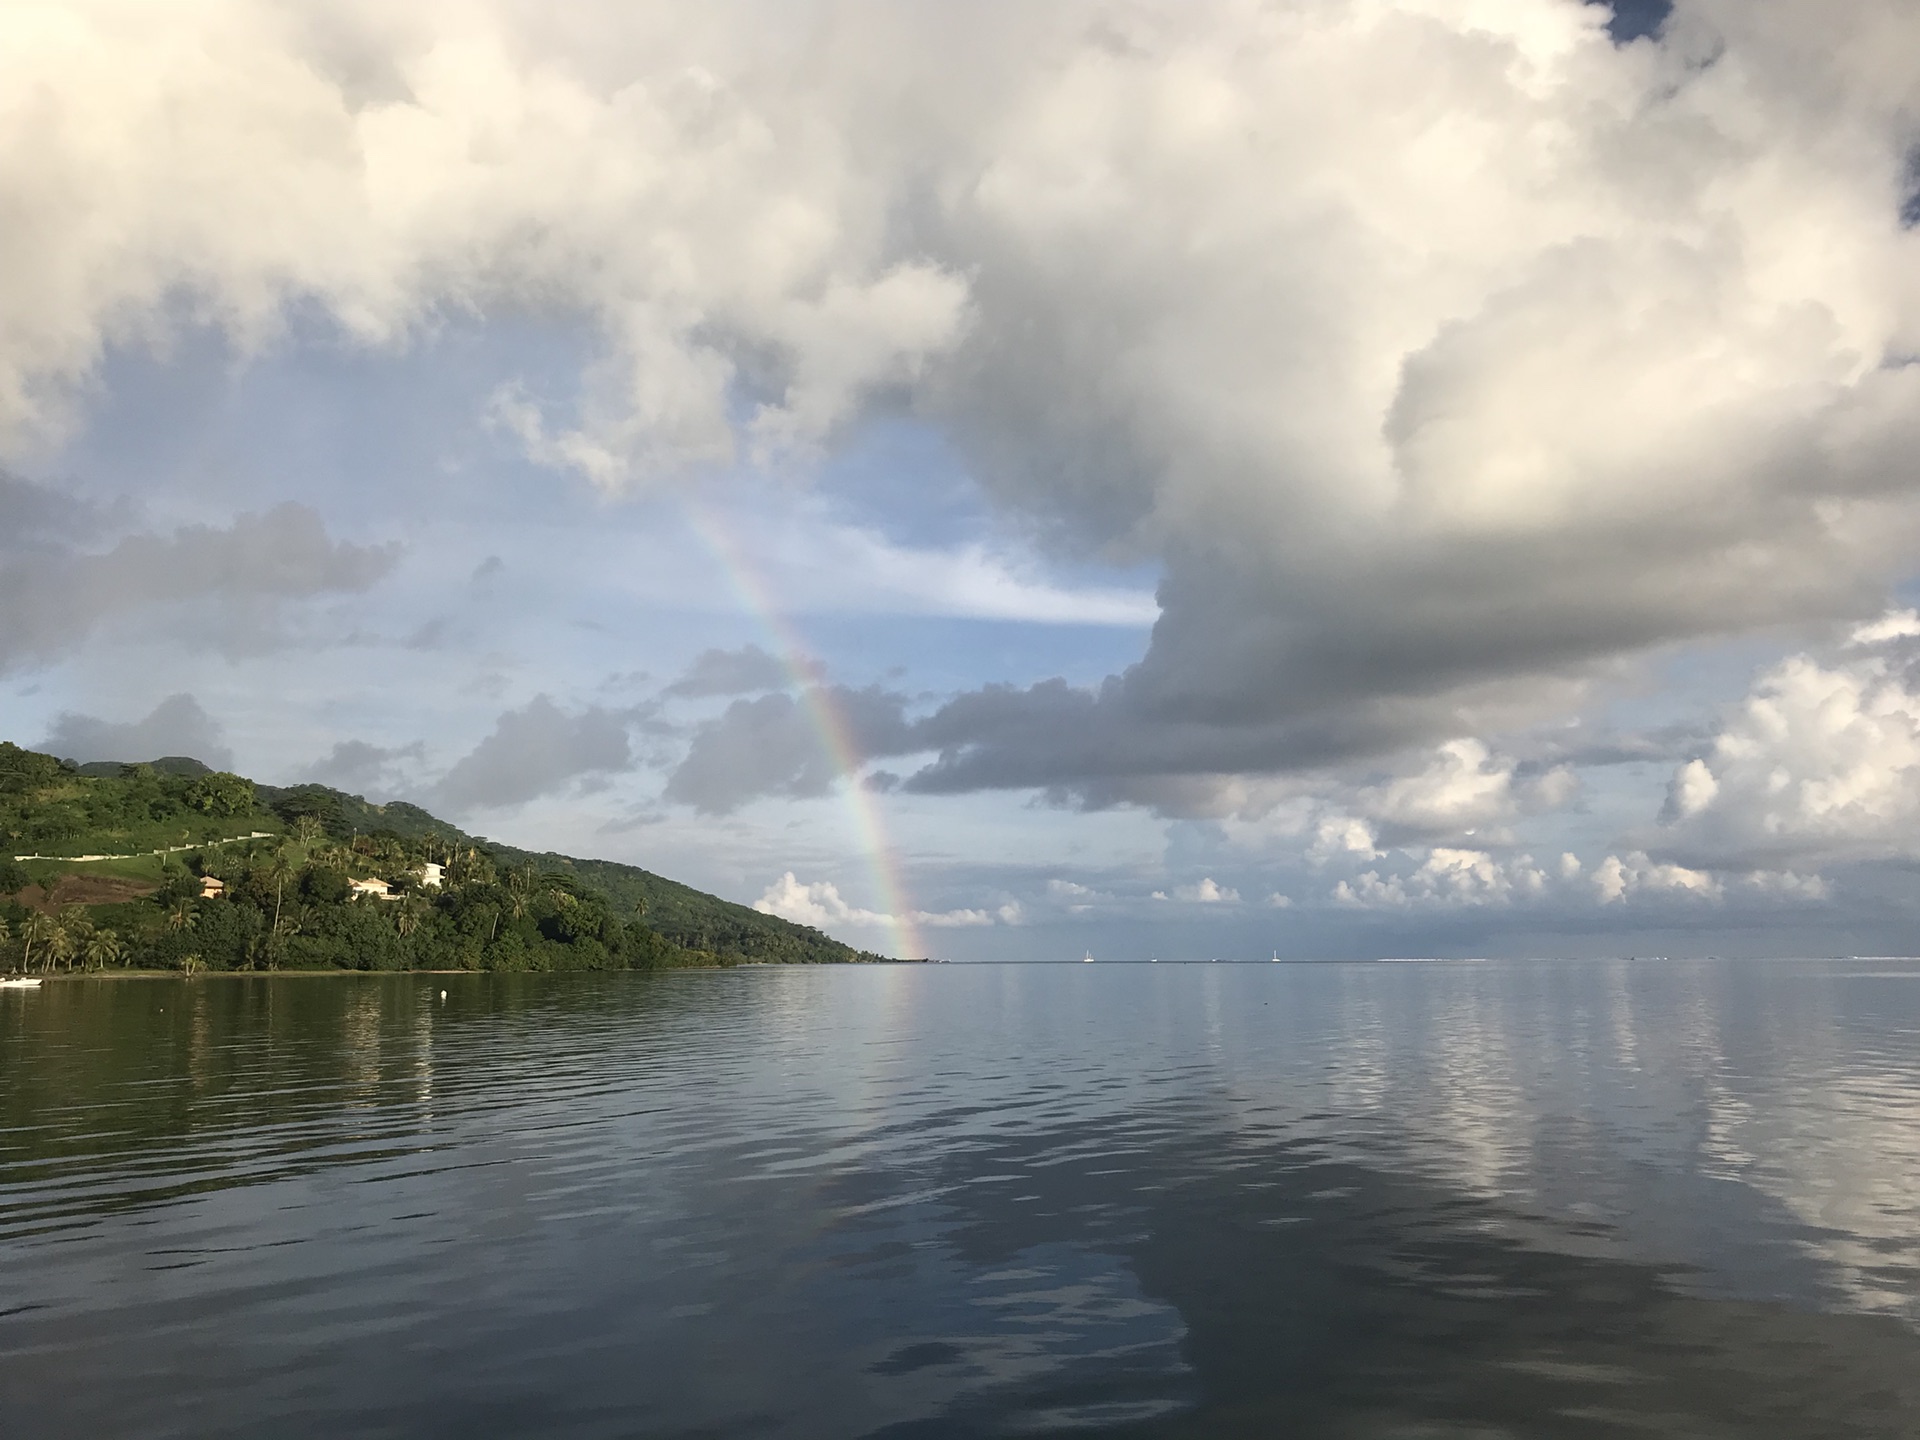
x,y
190,962
520,893
37,928
70,935
181,918
307,829
260,951
103,948
276,872
407,917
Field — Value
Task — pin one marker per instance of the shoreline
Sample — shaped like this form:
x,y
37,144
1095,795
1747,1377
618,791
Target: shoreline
x,y
120,974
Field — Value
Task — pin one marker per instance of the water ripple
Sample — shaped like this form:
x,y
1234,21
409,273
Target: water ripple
x,y
964,1200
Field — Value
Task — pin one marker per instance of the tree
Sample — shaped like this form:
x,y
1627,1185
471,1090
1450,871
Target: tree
x,y
70,935
469,867
190,962
520,892
221,794
314,800
180,916
37,929
261,950
103,948
276,872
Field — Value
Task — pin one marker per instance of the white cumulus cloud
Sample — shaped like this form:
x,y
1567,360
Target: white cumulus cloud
x,y
1441,355
821,905
1821,760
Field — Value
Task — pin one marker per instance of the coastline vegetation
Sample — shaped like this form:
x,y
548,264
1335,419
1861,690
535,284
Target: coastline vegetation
x,y
172,866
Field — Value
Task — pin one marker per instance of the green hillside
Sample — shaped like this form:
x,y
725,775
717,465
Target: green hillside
x,y
172,865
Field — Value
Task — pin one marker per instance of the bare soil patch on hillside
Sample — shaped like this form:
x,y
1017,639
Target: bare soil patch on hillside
x,y
85,890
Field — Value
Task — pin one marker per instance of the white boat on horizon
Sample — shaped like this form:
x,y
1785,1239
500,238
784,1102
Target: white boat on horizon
x,y
22,982
1088,959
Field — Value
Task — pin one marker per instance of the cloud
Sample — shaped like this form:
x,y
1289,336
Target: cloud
x,y
536,750
361,768
1450,877
54,593
832,565
1894,625
821,906
745,671
1820,762
36,517
1443,357
176,726
1340,835
1462,790
773,745
1615,878
1207,892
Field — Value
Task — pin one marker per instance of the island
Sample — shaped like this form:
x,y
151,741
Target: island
x,y
172,866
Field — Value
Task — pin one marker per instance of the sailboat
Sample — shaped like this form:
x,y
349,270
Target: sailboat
x,y
1088,960
1276,957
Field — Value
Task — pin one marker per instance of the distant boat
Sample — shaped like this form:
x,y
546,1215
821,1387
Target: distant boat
x,y
1276,957
1089,958
25,983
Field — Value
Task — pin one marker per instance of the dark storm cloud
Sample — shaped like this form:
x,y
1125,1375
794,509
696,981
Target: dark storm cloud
x,y
1287,661
176,726
59,580
539,749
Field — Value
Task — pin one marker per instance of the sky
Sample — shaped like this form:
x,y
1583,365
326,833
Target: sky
x,y
1312,477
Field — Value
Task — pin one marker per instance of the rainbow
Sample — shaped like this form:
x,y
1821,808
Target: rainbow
x,y
829,724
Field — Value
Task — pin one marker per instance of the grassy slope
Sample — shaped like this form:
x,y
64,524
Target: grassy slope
x,y
688,917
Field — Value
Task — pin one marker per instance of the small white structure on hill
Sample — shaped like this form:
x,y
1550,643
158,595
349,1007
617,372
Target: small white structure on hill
x,y
430,874
370,886
210,887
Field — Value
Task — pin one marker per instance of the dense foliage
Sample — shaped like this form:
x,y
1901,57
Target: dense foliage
x,y
245,877
47,808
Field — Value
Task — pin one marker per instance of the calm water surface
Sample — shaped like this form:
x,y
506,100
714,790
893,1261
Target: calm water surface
x,y
1198,1200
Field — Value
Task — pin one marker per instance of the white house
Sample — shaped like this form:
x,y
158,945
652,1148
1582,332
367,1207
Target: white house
x,y
430,874
370,886
210,887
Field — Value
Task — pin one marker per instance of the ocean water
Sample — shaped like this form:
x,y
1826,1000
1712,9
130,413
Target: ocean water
x,y
1433,1200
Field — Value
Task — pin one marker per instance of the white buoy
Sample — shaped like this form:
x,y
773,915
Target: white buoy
x,y
443,994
